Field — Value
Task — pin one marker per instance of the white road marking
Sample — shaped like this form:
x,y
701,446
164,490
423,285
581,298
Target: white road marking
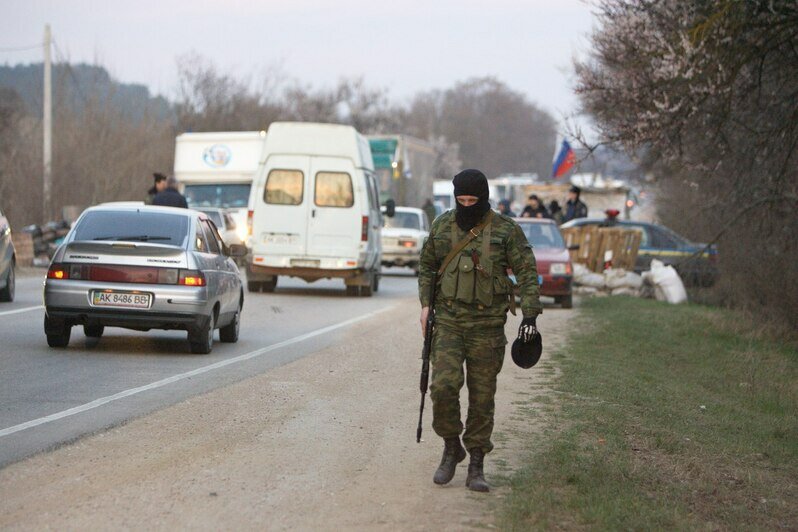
x,y
21,310
175,378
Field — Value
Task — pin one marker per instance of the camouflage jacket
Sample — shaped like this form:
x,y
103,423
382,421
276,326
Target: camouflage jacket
x,y
508,247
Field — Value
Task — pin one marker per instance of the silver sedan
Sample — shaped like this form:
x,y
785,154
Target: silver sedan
x,y
142,268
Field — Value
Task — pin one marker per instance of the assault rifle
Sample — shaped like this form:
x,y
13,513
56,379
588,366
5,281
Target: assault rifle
x,y
425,352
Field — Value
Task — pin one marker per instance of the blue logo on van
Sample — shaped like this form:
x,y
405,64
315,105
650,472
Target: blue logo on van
x,y
217,156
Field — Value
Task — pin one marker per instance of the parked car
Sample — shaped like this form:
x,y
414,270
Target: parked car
x,y
314,209
555,271
695,267
8,261
144,268
403,235
231,232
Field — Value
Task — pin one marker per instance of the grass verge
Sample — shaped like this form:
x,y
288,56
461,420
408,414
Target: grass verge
x,y
670,417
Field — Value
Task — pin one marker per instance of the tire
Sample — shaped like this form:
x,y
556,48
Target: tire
x,y
566,301
352,290
93,331
7,293
58,333
377,276
269,286
229,333
254,286
201,339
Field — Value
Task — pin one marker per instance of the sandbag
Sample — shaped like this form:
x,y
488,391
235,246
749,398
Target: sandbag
x,y
618,278
668,285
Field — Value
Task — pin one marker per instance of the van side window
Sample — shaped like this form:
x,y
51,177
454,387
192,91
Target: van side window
x,y
284,187
334,189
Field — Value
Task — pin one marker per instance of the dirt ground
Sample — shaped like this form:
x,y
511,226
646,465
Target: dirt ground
x,y
324,443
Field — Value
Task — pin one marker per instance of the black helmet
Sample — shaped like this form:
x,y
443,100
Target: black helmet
x,y
526,355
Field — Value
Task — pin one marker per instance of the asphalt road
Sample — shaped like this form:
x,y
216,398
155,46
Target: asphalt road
x,y
52,396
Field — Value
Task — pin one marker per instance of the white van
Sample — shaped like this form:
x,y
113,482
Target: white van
x,y
216,170
314,209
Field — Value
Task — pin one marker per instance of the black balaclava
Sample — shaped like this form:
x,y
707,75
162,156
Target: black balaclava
x,y
471,183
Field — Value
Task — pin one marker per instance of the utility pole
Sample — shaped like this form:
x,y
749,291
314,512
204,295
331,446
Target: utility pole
x,y
47,126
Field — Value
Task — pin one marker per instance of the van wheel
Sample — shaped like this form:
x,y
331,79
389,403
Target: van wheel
x,y
57,331
93,331
201,338
352,290
254,286
376,284
269,286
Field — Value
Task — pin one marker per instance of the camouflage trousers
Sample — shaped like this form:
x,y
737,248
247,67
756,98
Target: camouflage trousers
x,y
482,352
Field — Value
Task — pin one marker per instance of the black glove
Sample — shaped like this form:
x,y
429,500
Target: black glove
x,y
528,329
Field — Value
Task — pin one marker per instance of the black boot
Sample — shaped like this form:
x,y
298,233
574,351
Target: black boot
x,y
475,481
453,454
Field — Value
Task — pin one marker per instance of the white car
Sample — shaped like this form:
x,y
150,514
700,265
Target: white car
x,y
403,236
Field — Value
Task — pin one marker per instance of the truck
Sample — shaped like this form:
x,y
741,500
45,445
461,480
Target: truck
x,y
216,169
405,168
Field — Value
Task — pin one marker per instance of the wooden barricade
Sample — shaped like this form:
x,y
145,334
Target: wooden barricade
x,y
23,246
595,242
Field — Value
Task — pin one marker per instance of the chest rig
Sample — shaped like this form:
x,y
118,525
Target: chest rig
x,y
468,276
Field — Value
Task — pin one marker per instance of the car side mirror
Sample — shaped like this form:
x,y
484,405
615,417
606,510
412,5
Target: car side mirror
x,y
237,250
390,208
573,247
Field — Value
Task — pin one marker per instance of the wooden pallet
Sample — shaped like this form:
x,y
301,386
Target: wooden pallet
x,y
599,245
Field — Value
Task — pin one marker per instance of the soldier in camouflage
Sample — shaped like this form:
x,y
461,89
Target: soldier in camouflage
x,y
470,309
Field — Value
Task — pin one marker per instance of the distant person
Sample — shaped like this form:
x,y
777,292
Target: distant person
x,y
170,196
504,208
158,186
574,207
429,208
534,208
555,211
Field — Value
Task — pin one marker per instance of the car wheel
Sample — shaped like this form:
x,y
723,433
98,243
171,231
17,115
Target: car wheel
x,y
57,331
254,286
269,286
201,338
377,281
566,301
7,293
93,331
229,333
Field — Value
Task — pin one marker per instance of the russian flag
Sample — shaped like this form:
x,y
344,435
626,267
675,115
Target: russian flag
x,y
565,160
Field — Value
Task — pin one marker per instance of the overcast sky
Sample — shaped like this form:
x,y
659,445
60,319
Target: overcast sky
x,y
405,46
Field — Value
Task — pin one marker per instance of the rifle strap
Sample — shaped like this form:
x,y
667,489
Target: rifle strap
x,y
471,235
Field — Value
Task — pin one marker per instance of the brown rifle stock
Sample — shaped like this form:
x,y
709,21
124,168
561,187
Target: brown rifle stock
x,y
426,352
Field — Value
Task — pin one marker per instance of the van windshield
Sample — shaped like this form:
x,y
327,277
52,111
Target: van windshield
x,y
403,220
223,196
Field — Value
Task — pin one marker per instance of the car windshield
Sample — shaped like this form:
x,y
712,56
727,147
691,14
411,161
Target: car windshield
x,y
138,226
543,235
403,220
221,196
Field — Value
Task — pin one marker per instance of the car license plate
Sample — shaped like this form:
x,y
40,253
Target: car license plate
x,y
540,280
302,263
102,298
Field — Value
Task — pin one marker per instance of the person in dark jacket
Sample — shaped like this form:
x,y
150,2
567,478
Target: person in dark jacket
x,y
170,197
574,208
535,208
555,211
504,208
158,186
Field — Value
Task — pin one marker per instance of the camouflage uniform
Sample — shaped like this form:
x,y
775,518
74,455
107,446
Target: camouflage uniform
x,y
470,312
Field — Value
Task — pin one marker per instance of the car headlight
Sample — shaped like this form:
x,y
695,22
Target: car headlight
x,y
558,268
241,233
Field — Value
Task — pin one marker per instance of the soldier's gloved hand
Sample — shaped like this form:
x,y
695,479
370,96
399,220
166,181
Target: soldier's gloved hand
x,y
528,329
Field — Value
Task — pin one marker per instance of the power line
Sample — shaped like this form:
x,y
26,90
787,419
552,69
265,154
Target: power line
x,y
22,48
